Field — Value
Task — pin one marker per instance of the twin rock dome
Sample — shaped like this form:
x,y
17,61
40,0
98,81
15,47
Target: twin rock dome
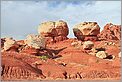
x,y
58,31
52,32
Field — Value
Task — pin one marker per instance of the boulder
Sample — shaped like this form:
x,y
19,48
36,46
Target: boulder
x,y
85,29
87,45
47,29
110,32
61,28
101,54
56,30
35,41
50,28
95,50
9,42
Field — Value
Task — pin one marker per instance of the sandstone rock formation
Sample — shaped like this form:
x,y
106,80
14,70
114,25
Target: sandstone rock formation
x,y
61,28
86,31
47,29
32,59
101,54
35,41
88,45
14,68
9,43
110,32
69,63
58,30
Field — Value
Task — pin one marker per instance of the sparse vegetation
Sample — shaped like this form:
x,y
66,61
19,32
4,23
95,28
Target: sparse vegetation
x,y
43,57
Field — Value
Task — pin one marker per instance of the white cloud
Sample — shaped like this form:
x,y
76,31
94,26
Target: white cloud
x,y
20,18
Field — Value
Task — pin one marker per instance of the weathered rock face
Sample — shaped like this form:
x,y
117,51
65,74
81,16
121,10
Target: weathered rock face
x,y
14,68
88,45
47,29
86,29
32,44
110,32
10,44
58,30
61,28
35,41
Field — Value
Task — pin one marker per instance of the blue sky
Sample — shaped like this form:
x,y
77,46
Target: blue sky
x,y
20,18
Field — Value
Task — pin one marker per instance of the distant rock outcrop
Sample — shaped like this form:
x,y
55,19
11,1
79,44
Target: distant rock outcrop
x,y
86,31
110,32
35,41
10,44
54,31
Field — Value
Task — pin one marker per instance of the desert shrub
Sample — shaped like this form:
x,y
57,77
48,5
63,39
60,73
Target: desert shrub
x,y
44,57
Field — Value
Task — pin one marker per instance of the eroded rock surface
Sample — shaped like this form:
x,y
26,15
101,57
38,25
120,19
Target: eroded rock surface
x,y
86,31
58,30
35,41
110,32
10,44
15,69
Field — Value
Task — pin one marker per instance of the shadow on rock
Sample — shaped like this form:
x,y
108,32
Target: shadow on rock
x,y
51,53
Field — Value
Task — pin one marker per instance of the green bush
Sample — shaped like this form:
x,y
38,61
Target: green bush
x,y
43,57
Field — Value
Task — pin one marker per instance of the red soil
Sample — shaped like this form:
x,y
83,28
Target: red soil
x,y
69,63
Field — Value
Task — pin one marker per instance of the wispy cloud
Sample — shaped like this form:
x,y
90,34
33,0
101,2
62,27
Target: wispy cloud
x,y
19,18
